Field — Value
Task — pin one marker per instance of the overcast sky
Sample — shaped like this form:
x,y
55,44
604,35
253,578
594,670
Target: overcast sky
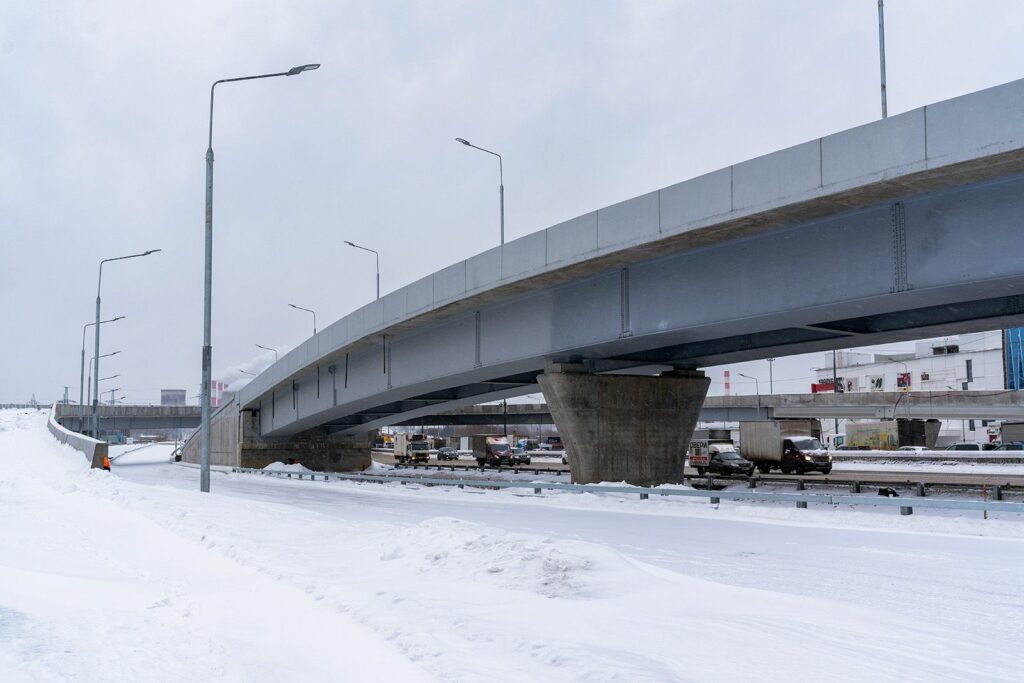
x,y
103,135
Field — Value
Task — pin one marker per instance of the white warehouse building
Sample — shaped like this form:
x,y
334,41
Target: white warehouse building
x,y
968,361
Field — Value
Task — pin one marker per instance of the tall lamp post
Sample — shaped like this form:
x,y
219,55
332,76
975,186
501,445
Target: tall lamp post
x,y
376,254
99,285
771,382
757,387
81,382
501,182
204,437
96,434
267,348
881,51
92,364
307,310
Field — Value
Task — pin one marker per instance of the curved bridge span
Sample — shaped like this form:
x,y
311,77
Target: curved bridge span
x,y
903,228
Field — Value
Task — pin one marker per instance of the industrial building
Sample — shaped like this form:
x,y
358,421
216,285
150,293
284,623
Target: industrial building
x,y
965,362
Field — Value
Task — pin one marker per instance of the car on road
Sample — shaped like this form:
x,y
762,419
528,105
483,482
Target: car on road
x,y
447,453
1015,446
520,457
964,446
727,462
912,449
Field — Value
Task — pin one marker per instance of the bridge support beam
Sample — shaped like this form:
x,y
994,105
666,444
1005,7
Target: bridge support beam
x,y
624,427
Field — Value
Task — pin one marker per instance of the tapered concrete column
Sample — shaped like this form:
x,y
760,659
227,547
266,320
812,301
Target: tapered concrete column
x,y
624,427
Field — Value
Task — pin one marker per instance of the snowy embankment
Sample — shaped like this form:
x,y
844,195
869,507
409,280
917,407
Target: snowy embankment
x,y
94,585
136,576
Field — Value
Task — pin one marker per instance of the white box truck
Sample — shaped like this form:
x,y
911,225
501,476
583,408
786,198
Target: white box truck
x,y
411,448
793,446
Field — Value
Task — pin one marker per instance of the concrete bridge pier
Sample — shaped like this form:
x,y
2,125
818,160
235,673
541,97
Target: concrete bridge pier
x,y
314,448
624,427
235,441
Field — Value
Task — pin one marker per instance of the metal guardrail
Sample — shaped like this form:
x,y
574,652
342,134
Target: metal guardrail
x,y
919,480
801,500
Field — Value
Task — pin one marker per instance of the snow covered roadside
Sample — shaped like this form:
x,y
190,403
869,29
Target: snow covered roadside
x,y
265,565
947,467
90,590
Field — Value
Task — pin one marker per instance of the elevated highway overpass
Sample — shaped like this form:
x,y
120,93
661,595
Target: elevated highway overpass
x,y
899,229
128,417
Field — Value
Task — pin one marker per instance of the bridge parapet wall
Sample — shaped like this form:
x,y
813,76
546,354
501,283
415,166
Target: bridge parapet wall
x,y
95,451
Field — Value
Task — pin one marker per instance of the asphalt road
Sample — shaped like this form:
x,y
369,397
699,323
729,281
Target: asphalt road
x,y
839,476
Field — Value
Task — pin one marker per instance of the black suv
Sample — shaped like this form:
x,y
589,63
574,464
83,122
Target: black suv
x,y
520,457
447,453
727,462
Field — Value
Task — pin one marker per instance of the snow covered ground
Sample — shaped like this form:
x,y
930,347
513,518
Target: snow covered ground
x,y
136,576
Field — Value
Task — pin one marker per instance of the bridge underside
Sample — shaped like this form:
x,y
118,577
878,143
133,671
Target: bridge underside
x,y
923,265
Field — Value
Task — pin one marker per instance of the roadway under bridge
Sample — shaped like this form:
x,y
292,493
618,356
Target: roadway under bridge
x,y
900,229
954,405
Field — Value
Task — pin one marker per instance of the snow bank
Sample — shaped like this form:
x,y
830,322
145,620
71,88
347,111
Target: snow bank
x,y
281,467
95,586
457,549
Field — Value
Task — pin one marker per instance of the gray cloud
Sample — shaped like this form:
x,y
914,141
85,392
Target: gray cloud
x,y
103,134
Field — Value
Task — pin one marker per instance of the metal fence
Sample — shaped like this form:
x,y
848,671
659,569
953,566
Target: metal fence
x,y
906,505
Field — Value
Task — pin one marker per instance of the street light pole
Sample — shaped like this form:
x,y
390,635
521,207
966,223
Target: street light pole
x,y
204,437
501,182
81,382
92,362
267,348
99,284
377,255
771,382
307,310
881,50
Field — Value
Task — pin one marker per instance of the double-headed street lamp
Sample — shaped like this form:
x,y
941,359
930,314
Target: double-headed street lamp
x,y
204,437
99,284
307,310
92,363
352,244
267,348
81,382
501,182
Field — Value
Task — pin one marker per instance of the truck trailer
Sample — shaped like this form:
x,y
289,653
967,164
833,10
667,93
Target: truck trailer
x,y
787,445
